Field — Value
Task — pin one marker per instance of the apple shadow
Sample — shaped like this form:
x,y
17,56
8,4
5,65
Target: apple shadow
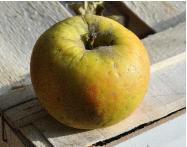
x,y
51,128
21,93
16,92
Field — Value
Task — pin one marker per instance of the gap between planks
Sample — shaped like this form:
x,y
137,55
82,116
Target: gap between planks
x,y
158,15
139,129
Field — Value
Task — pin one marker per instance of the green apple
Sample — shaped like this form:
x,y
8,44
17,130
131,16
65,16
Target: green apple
x,y
89,71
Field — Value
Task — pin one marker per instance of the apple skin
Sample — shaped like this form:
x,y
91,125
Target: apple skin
x,y
89,89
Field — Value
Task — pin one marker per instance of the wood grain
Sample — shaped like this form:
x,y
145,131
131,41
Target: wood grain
x,y
143,129
159,15
36,137
12,138
166,44
31,111
21,24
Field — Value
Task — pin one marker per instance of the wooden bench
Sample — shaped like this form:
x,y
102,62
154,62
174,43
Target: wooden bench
x,y
25,123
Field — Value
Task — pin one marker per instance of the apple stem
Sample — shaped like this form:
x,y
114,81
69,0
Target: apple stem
x,y
92,38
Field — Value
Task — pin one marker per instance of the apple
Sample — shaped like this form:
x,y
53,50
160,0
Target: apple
x,y
89,71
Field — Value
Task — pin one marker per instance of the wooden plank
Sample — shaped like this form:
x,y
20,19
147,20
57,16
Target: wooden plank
x,y
166,94
16,96
36,137
31,111
62,136
12,139
20,25
168,62
166,44
142,129
158,15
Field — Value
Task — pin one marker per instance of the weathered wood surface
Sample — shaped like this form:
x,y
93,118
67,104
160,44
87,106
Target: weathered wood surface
x,y
129,136
25,113
166,44
166,94
16,96
159,15
36,137
21,24
11,138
